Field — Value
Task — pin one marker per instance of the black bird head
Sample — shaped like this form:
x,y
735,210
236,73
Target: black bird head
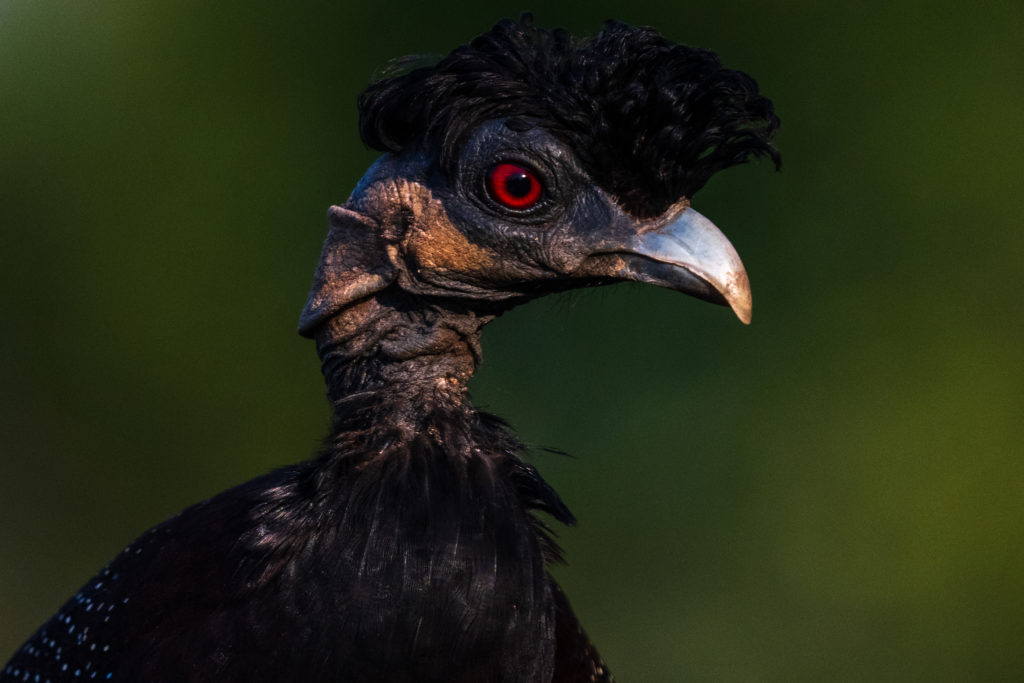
x,y
530,161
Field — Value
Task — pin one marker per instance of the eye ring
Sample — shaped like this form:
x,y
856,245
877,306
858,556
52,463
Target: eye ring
x,y
514,186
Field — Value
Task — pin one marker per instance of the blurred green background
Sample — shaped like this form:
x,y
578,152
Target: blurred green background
x,y
835,493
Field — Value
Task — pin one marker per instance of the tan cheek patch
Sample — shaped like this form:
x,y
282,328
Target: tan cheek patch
x,y
430,240
438,245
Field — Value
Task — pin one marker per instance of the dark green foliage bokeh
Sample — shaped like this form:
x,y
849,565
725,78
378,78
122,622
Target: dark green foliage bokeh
x,y
835,493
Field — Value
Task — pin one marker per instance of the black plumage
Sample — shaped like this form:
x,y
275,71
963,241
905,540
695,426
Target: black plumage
x,y
648,120
408,550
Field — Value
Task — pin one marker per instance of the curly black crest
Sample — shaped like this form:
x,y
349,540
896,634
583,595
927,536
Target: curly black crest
x,y
650,120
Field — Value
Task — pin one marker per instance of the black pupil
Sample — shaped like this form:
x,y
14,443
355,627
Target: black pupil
x,y
518,184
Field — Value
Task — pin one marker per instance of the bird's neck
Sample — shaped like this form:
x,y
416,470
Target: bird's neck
x,y
407,358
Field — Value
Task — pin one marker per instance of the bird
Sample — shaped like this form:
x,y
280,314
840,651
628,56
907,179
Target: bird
x,y
416,544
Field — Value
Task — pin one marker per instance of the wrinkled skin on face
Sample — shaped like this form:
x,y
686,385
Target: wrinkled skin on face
x,y
439,232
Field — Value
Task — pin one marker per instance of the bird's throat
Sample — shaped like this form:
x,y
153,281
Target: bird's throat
x,y
419,355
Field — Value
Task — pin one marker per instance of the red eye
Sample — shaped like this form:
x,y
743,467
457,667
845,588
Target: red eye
x,y
513,186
